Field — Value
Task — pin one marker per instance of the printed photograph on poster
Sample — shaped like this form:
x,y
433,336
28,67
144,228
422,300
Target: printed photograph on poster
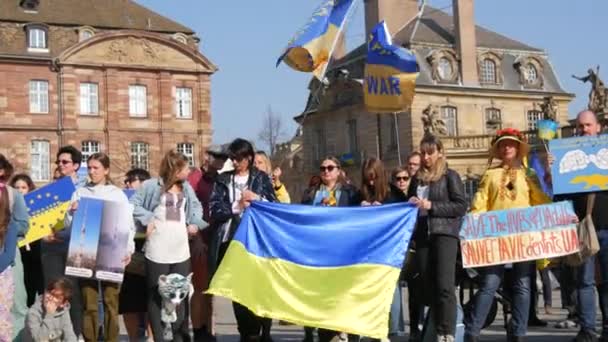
x,y
113,242
581,164
84,239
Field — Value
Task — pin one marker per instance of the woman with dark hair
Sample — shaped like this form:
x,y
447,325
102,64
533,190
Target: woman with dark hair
x,y
30,255
439,194
170,212
100,186
232,193
332,191
376,190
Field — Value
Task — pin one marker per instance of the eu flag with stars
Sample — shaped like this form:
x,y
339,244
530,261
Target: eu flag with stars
x,y
390,74
47,207
310,49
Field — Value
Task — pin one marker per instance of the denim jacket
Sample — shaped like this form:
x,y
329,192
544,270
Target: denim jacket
x,y
147,198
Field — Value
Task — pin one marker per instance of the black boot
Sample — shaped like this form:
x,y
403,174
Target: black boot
x,y
471,338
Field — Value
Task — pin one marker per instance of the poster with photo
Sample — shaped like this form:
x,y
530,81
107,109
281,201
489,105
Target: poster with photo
x,y
84,238
113,242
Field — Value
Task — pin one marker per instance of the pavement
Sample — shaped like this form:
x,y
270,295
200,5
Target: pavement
x,y
226,329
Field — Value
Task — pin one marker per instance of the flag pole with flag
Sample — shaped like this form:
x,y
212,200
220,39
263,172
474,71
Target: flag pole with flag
x,y
390,74
312,46
331,268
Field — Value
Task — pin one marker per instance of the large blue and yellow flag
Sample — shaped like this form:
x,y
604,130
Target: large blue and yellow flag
x,y
47,207
390,74
333,268
310,48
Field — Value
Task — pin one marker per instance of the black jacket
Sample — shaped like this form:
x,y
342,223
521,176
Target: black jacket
x,y
349,197
600,207
448,206
220,207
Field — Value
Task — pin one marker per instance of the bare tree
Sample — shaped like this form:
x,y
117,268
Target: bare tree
x,y
271,131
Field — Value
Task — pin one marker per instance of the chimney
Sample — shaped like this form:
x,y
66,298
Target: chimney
x,y
466,43
396,13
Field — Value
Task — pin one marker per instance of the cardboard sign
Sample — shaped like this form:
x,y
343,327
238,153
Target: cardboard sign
x,y
508,236
581,164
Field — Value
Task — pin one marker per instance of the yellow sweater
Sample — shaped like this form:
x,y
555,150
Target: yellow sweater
x,y
282,194
508,189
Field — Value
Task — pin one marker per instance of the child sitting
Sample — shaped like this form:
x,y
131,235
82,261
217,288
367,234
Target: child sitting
x,y
49,318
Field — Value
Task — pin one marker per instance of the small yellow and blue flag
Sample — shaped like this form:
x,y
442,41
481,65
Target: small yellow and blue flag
x,y
310,48
390,74
326,267
547,129
47,207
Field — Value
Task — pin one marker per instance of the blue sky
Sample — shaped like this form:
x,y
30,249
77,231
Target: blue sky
x,y
244,39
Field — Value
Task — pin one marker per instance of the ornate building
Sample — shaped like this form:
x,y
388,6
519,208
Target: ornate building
x,y
105,76
473,79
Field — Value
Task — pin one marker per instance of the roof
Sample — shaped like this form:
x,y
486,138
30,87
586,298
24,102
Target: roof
x,y
118,14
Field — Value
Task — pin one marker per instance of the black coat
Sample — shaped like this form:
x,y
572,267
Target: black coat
x,y
220,207
448,203
349,197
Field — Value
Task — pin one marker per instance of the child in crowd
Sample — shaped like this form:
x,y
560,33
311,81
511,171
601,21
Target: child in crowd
x,y
49,318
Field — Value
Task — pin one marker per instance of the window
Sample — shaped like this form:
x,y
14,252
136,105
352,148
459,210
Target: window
x,y
488,71
187,149
138,104
353,143
139,155
530,73
180,37
89,103
493,119
532,117
39,160
470,188
444,67
39,96
319,145
449,116
183,103
85,34
393,131
37,39
88,148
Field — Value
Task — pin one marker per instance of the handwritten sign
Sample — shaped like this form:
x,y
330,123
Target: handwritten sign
x,y
507,236
581,164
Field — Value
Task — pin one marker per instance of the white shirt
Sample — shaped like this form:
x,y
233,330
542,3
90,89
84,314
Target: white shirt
x,y
168,243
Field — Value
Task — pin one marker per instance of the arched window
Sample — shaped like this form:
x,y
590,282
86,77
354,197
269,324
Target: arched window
x,y
530,73
488,71
139,155
444,69
37,39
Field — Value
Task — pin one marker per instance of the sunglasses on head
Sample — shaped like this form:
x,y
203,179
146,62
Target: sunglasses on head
x,y
398,179
328,168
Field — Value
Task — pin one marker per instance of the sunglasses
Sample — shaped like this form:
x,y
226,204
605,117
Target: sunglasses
x,y
63,162
328,168
399,179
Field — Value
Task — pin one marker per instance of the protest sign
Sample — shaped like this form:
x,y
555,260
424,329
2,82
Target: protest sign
x,y
515,235
581,164
99,240
47,207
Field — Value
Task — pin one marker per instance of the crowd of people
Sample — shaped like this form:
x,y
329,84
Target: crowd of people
x,y
184,219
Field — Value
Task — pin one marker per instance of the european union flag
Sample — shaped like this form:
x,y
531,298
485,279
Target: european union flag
x,y
390,74
310,49
333,268
47,207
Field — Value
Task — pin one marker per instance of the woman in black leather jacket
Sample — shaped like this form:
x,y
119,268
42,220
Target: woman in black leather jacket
x,y
232,193
439,194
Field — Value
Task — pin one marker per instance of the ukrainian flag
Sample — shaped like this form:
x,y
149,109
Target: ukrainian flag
x,y
390,74
326,267
310,49
47,207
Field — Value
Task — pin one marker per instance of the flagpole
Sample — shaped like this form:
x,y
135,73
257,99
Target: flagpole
x,y
397,135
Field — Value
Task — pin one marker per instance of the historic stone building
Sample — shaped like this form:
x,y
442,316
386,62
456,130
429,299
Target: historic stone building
x,y
109,76
475,79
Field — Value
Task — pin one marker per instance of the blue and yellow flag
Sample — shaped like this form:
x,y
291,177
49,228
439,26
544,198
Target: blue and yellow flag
x,y
310,48
390,74
333,268
47,207
547,129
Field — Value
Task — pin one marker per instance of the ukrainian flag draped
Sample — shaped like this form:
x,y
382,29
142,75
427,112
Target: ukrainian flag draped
x,y
333,268
390,74
47,207
310,49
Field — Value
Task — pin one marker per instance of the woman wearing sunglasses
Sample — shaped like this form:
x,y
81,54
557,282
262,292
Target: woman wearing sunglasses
x,y
333,191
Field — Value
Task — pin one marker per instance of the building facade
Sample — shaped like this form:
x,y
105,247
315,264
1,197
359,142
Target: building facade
x,y
475,79
104,76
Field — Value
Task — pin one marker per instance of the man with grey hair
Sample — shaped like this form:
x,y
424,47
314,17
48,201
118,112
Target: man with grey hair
x,y
588,124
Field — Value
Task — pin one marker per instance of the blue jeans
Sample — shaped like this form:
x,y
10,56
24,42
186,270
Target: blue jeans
x,y
396,325
491,278
586,287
